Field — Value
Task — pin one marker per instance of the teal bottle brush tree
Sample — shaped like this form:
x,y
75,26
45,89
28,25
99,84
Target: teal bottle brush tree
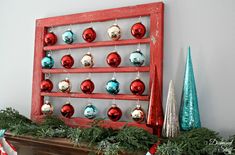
x,y
189,113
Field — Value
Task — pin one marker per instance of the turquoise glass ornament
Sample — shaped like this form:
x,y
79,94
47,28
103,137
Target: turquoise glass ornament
x,y
137,58
189,112
112,86
68,37
90,111
47,62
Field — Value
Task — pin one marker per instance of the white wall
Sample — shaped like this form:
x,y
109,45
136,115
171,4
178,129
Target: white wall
x,y
206,25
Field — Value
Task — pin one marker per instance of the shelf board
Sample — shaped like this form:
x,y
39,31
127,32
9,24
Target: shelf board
x,y
97,44
96,70
86,123
97,96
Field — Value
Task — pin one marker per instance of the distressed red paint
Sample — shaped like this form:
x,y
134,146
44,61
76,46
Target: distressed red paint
x,y
155,39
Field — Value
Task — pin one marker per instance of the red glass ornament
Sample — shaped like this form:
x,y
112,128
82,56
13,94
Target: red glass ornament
x,y
67,110
46,85
67,61
114,113
89,34
113,59
138,30
87,86
50,38
137,87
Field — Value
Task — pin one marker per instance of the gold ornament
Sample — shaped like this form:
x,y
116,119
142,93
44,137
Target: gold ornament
x,y
138,114
88,60
65,86
114,32
47,108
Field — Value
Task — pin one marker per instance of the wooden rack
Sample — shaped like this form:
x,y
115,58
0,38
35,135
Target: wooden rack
x,y
155,40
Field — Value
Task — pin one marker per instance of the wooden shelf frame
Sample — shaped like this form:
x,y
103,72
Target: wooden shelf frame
x,y
97,96
97,44
96,70
155,11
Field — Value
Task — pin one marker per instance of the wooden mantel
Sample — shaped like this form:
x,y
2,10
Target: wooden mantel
x,y
47,146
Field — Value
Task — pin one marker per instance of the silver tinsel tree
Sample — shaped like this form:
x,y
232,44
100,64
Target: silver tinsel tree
x,y
171,122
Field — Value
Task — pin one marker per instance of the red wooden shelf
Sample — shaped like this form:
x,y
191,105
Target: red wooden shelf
x,y
97,96
96,70
97,44
155,12
84,122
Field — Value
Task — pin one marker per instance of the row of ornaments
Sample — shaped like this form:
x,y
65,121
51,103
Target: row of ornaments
x,y
113,59
138,30
114,113
137,87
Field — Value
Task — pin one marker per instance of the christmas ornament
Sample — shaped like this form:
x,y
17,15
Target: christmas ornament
x,y
90,111
67,110
138,30
67,61
138,114
137,86
65,86
47,108
68,36
87,60
89,34
137,58
171,123
50,38
47,62
189,112
87,86
113,59
112,86
114,113
114,32
155,110
46,85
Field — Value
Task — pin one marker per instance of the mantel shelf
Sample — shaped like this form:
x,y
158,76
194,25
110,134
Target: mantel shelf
x,y
49,146
97,96
96,70
97,44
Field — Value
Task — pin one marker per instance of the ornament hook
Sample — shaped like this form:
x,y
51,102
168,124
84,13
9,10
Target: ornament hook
x,y
115,22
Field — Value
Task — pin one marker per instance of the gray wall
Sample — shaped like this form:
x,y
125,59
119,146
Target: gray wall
x,y
206,25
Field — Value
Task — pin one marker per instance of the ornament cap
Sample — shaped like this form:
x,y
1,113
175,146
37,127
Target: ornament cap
x,y
138,50
137,78
48,55
67,102
66,78
88,53
138,106
113,78
114,105
89,104
88,78
47,102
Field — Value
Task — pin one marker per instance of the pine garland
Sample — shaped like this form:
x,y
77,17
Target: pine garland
x,y
112,142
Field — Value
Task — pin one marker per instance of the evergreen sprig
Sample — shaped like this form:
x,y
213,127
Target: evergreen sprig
x,y
195,141
113,142
170,148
